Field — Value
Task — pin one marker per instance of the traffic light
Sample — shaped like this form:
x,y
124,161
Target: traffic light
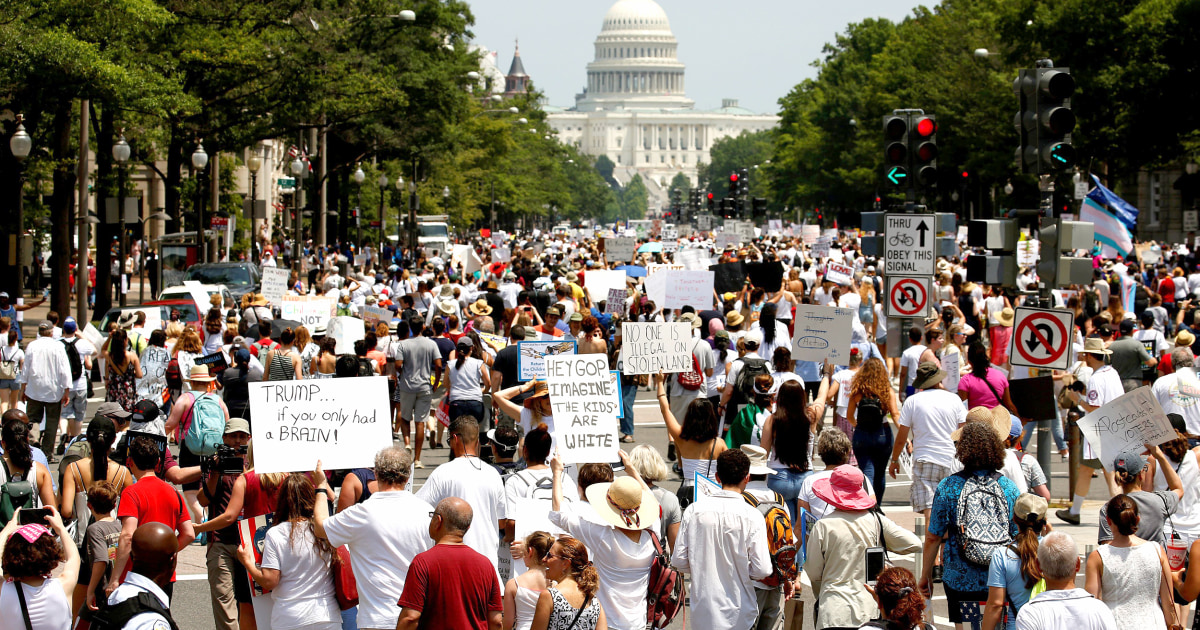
x,y
999,266
1058,236
922,141
1055,120
758,207
711,202
733,184
895,135
744,182
1025,122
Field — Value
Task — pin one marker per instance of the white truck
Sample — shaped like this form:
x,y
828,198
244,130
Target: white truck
x,y
433,234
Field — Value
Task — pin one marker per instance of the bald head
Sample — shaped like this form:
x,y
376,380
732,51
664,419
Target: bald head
x,y
14,414
154,549
456,514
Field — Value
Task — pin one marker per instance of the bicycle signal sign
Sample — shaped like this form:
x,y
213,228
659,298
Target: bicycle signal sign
x,y
908,297
1041,338
909,244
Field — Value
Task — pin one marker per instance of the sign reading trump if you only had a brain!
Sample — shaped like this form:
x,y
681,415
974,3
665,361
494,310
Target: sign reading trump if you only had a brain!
x,y
341,422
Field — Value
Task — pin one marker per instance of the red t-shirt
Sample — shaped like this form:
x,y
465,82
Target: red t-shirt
x,y
152,500
454,587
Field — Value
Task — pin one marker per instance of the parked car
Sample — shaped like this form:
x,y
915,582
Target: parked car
x,y
182,293
157,313
238,277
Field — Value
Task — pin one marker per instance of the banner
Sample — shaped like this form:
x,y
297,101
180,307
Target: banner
x,y
1126,424
310,311
341,421
531,356
585,406
822,332
679,288
839,274
653,347
274,284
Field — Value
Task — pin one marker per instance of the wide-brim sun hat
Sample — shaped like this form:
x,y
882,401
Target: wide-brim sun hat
x,y
1184,339
480,307
624,503
997,418
1095,345
734,318
1005,318
758,460
928,375
446,306
199,373
844,489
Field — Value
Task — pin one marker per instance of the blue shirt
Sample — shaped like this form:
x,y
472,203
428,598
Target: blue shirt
x,y
1005,573
957,572
809,371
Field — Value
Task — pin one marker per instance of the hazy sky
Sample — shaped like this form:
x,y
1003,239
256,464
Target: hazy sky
x,y
753,51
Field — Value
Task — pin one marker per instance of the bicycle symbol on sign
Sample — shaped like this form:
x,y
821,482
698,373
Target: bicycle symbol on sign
x,y
901,240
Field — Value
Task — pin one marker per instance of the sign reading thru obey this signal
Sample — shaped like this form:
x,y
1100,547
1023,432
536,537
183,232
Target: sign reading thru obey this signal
x,y
908,297
1041,338
908,244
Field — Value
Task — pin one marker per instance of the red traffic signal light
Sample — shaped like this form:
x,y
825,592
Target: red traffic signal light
x,y
926,127
710,196
965,174
733,177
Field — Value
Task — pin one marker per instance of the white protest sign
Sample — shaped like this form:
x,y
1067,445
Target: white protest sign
x,y
473,263
583,397
775,225
810,233
687,288
360,260
831,234
745,230
1027,252
619,249
653,347
703,487
342,422
501,254
199,294
274,284
529,515
822,332
726,239
615,303
497,342
950,363
598,282
820,249
310,311
704,222
345,331
670,247
372,315
154,374
654,268
498,238
839,274
695,258
531,356
670,233
1126,424
458,255
90,333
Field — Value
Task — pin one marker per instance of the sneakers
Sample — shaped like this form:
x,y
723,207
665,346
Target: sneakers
x,y
1067,516
418,464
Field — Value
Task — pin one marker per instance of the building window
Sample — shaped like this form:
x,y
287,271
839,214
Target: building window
x,y
647,158
684,159
662,159
1155,199
618,158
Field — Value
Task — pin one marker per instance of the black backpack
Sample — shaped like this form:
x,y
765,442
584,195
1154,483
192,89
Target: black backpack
x,y
117,616
74,359
364,367
869,414
744,387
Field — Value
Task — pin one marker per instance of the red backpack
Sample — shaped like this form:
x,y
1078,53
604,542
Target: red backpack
x,y
692,380
665,595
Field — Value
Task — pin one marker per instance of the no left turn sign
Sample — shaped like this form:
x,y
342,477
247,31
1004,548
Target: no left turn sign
x,y
908,296
1041,338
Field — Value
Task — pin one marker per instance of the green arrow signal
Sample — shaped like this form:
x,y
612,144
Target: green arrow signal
x,y
896,174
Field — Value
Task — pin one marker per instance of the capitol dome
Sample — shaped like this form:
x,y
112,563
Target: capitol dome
x,y
636,15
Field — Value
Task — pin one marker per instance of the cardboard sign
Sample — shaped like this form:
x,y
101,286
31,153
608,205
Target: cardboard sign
x,y
598,282
839,274
654,268
585,408
653,347
614,304
274,284
766,276
1125,424
822,332
679,288
950,363
341,421
372,315
728,277
154,373
310,311
531,356
619,249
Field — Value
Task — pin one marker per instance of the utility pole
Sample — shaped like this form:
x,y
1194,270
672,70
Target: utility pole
x,y
81,212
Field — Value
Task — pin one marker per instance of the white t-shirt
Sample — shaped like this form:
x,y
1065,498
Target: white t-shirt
x,y
843,378
383,533
1073,609
911,359
1104,387
1161,345
716,383
477,483
1166,390
465,383
994,305
85,350
767,348
304,595
932,415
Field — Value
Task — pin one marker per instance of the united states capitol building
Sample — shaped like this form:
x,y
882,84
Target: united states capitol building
x,y
634,107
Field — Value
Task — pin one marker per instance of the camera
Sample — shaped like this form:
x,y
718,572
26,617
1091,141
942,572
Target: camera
x,y
229,460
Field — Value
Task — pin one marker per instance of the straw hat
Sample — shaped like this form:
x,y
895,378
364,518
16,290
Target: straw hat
x,y
997,418
1184,339
1005,318
844,489
1095,345
199,373
758,460
734,318
480,307
540,390
624,503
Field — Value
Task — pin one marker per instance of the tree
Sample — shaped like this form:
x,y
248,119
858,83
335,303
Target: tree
x,y
681,183
634,199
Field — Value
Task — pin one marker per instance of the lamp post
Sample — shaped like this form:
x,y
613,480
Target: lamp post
x,y
383,184
120,152
253,164
359,177
20,144
399,214
199,161
300,172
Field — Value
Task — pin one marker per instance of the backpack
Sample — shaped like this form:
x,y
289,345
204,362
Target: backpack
x,y
364,367
1091,302
693,379
74,359
173,375
982,517
744,387
117,616
869,414
16,492
780,540
665,595
203,425
542,488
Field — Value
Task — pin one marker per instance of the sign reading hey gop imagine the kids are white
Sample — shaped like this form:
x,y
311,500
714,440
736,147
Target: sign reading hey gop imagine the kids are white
x,y
653,347
341,422
584,398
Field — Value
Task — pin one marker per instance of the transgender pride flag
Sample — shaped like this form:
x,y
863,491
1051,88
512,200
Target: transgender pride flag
x,y
1114,238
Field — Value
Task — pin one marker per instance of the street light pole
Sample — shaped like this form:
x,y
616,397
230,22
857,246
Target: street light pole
x,y
300,171
254,163
121,153
383,182
20,144
359,177
199,161
399,213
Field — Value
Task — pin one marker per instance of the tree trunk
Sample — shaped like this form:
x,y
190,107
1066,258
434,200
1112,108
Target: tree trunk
x,y
174,176
104,230
62,204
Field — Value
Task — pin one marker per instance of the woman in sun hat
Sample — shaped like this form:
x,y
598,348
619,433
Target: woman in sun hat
x,y
30,554
622,550
837,547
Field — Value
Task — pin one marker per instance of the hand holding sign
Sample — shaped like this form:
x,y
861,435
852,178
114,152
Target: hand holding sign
x,y
1126,424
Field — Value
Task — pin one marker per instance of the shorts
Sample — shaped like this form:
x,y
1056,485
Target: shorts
x,y
10,383
925,479
414,406
955,599
187,459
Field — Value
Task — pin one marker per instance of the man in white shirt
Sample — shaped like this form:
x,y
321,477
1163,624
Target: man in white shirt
x,y
383,533
770,598
909,359
1179,391
476,482
1103,388
47,384
1062,606
76,408
722,543
931,414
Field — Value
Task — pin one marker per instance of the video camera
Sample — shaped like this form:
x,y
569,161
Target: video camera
x,y
229,460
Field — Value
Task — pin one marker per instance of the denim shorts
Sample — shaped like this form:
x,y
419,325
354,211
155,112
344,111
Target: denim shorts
x,y
10,383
